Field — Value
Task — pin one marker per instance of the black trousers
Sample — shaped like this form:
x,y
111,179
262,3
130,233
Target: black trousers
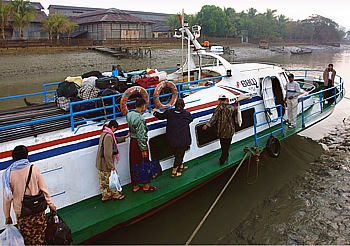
x,y
179,153
329,93
225,146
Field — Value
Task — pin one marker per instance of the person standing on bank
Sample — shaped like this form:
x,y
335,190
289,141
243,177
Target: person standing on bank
x,y
14,180
328,78
292,93
177,133
223,116
138,143
107,155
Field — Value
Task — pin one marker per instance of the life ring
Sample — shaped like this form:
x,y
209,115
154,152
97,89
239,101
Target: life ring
x,y
135,90
159,89
273,146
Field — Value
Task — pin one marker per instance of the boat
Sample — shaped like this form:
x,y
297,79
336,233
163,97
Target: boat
x,y
299,51
64,144
263,44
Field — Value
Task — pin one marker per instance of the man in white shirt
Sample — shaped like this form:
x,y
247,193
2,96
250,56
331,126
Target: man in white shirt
x,y
293,91
328,78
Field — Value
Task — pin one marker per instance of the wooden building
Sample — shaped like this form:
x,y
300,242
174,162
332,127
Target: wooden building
x,y
103,24
33,31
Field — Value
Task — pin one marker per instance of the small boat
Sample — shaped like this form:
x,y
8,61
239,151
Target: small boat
x,y
64,144
263,44
300,51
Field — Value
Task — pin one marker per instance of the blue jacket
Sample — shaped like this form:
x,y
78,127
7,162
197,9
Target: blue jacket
x,y
177,129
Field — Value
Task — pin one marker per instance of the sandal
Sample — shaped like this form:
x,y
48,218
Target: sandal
x,y
181,169
105,199
134,191
118,197
176,174
150,189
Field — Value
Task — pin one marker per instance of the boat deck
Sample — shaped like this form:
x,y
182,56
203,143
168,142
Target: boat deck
x,y
91,217
17,121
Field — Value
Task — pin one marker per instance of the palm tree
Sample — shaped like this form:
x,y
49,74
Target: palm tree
x,y
47,25
23,14
5,12
70,27
59,24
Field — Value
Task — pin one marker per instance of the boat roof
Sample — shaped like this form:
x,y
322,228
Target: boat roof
x,y
242,67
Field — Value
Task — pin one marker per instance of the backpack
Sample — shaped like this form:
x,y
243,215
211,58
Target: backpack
x,y
67,89
57,231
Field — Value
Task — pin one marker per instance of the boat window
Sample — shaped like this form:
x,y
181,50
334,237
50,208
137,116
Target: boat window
x,y
159,147
206,137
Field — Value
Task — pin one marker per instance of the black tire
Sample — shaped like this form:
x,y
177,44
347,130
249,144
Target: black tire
x,y
273,146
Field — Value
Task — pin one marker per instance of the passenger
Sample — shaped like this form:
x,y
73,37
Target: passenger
x,y
14,178
293,91
328,78
106,158
117,71
138,143
177,133
223,116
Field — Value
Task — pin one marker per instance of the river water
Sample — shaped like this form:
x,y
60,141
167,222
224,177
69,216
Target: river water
x,y
302,197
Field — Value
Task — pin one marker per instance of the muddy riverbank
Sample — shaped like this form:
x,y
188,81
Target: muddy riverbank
x,y
313,208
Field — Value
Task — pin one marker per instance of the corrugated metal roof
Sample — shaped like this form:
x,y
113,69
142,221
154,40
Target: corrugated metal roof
x,y
108,15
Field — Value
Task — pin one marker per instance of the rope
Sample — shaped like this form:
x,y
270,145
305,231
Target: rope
x,y
247,151
104,109
256,154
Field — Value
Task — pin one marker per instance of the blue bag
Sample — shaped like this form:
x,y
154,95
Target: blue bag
x,y
147,170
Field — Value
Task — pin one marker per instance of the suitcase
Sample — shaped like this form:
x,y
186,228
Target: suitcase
x,y
148,82
106,83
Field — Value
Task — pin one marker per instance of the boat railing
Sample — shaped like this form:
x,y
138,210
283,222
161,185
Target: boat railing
x,y
267,122
317,76
105,112
112,111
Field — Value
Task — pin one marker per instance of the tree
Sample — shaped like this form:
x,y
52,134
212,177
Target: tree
x,y
5,13
23,14
324,29
70,27
173,22
47,26
215,22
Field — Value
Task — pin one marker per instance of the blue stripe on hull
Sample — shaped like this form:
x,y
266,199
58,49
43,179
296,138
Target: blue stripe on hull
x,y
92,142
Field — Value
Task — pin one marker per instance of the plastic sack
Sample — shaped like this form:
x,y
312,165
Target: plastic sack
x,y
11,236
114,182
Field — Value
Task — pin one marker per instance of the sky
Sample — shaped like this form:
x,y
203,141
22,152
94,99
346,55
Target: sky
x,y
337,10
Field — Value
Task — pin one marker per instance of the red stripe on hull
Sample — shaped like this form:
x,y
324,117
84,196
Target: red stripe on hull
x,y
8,153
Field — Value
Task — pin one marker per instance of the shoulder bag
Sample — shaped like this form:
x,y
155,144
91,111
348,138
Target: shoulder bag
x,y
102,149
32,204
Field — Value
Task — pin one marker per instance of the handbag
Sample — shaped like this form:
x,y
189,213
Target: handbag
x,y
147,170
102,149
57,231
33,204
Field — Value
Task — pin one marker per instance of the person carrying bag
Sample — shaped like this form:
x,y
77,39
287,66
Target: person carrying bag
x,y
23,178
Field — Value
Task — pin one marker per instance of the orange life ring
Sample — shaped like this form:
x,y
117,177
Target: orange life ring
x,y
135,90
159,89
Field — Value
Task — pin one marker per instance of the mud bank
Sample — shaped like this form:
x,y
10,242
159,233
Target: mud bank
x,y
311,209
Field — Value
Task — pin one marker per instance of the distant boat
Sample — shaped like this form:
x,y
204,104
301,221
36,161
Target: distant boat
x,y
301,51
263,44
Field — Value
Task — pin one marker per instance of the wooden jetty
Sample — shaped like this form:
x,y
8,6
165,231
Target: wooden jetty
x,y
120,52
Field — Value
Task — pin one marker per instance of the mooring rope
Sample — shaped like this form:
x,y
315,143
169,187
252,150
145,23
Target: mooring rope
x,y
247,152
256,154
